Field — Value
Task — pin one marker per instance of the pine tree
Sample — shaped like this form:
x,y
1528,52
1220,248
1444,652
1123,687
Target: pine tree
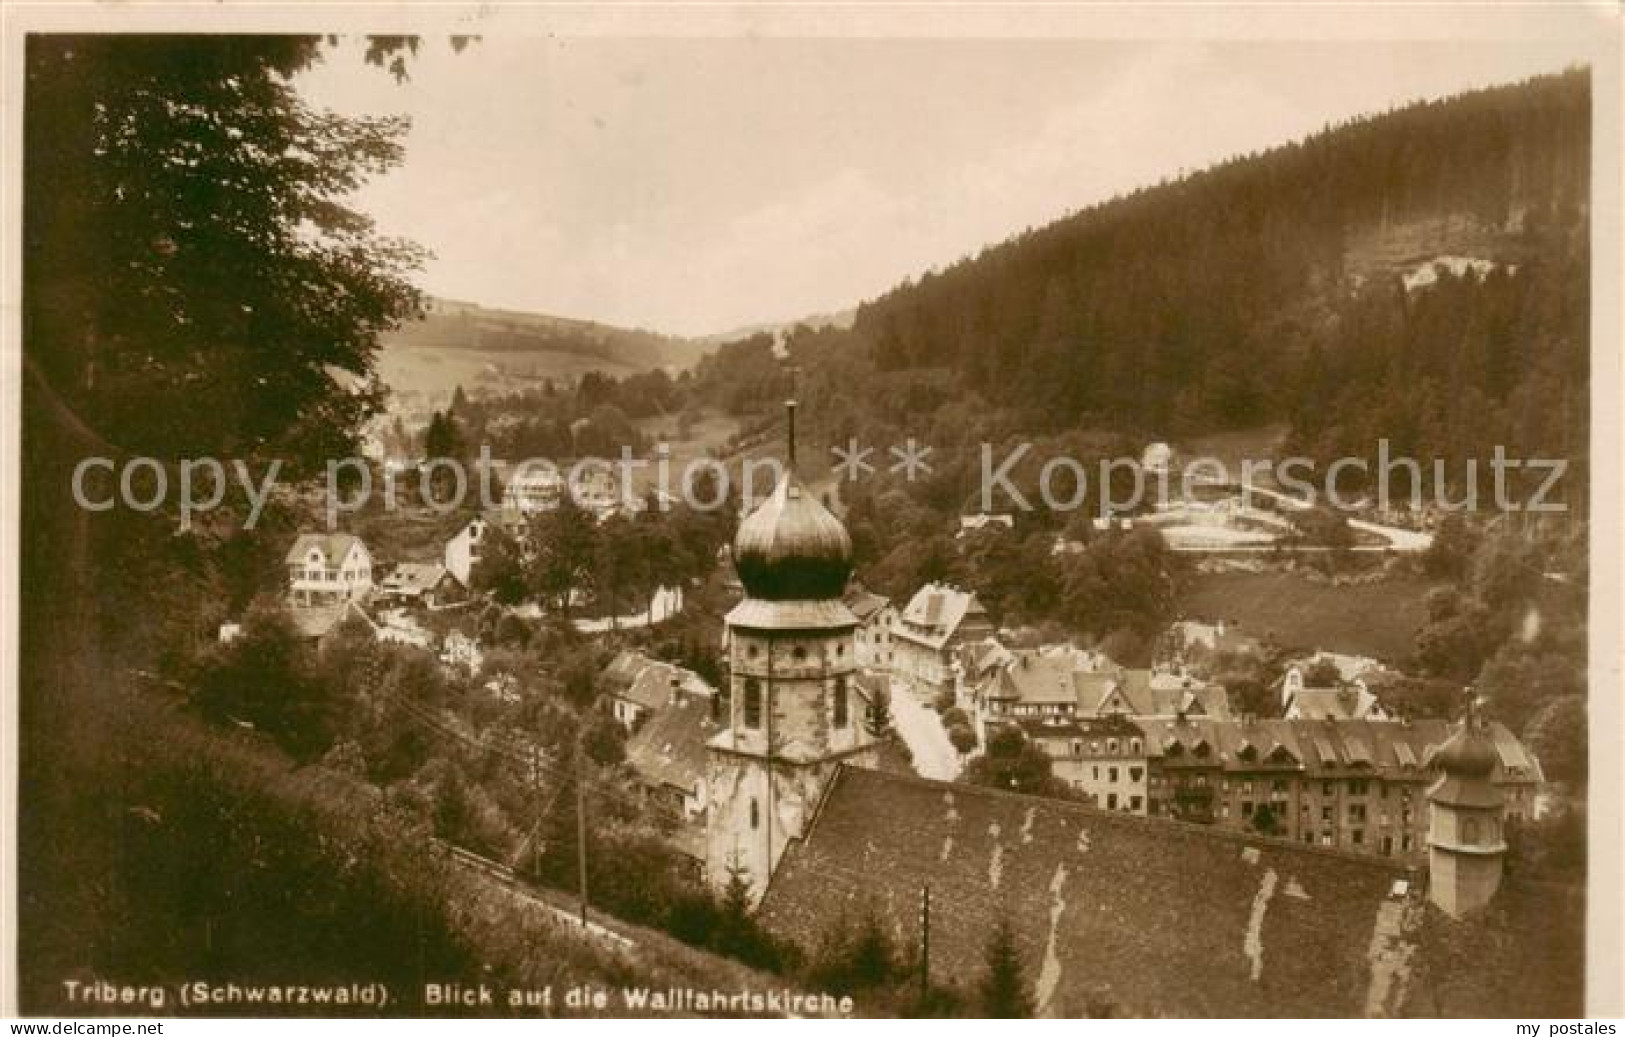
x,y
1004,988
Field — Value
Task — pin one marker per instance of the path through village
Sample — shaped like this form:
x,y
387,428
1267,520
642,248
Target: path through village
x,y
921,729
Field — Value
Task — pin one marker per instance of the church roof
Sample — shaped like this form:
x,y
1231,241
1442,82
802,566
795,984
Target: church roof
x,y
1146,916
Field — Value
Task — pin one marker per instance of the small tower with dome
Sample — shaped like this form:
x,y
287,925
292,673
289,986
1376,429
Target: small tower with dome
x,y
795,709
1466,844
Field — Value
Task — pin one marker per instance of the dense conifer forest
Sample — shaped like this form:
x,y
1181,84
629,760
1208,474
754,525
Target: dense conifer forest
x,y
1270,288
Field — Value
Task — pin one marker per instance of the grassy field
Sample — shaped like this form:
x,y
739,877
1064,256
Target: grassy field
x,y
437,371
1377,619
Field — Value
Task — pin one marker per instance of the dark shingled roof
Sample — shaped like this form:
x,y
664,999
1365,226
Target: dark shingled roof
x,y
862,602
670,748
1144,916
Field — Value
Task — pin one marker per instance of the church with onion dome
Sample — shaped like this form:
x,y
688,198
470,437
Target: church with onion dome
x,y
796,707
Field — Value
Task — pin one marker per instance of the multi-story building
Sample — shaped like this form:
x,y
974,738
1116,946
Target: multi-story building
x,y
877,618
328,569
929,632
1357,785
1104,758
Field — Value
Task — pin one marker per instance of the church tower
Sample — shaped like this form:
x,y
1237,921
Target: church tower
x,y
1465,844
795,710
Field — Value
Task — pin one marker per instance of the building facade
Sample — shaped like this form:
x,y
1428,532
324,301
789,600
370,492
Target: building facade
x,y
930,630
328,569
1352,785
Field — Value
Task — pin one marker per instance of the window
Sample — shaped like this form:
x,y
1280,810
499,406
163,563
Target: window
x,y
1246,808
1111,774
1405,843
1134,747
1358,837
753,703
1111,801
1097,773
1111,746
755,815
1278,785
1325,813
1326,788
1356,811
1134,774
1357,787
841,710
1134,802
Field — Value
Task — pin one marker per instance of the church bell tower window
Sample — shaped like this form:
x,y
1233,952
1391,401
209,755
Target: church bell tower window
x,y
753,703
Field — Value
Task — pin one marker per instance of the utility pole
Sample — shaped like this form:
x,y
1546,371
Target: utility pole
x,y
581,831
925,940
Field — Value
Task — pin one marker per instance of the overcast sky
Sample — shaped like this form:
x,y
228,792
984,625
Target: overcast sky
x,y
695,186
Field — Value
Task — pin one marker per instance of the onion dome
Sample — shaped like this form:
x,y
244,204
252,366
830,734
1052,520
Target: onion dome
x,y
1467,754
1465,762
792,549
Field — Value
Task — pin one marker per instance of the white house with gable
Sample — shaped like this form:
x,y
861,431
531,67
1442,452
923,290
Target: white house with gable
x,y
328,569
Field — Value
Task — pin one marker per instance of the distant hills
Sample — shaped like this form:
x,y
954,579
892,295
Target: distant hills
x,y
454,324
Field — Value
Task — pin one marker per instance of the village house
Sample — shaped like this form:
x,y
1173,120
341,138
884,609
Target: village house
x,y
1346,700
426,584
462,550
328,569
877,618
533,488
668,756
636,686
929,630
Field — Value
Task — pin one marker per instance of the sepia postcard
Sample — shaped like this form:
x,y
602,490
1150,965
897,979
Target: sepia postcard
x,y
811,511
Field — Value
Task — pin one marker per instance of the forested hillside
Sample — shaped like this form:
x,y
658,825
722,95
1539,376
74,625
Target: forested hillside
x,y
1295,285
